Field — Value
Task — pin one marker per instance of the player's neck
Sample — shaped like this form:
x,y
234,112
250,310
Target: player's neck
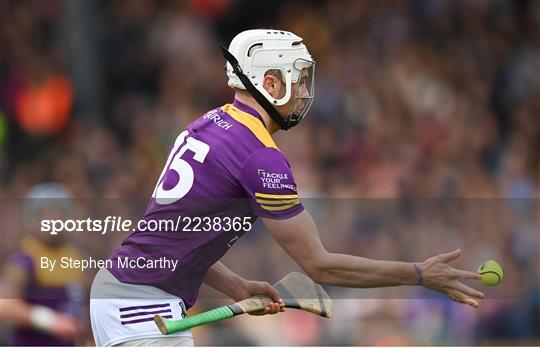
x,y
270,125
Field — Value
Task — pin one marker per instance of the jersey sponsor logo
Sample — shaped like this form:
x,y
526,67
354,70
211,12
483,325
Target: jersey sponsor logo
x,y
272,180
218,120
276,202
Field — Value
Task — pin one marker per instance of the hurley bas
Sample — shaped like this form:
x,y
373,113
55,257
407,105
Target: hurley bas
x,y
121,262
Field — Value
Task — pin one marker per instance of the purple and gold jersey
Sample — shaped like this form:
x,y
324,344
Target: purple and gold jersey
x,y
61,290
224,165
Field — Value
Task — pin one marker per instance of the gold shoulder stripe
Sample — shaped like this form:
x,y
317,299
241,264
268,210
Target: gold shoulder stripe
x,y
265,195
253,123
279,208
287,201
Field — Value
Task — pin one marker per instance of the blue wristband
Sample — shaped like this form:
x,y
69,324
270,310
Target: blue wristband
x,y
418,274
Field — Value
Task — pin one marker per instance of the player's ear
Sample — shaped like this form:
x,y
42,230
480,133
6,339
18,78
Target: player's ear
x,y
272,85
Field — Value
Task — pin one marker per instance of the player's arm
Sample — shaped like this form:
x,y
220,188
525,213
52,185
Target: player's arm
x,y
268,181
42,318
222,279
299,236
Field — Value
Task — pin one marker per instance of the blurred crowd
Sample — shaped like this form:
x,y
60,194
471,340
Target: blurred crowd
x,y
424,136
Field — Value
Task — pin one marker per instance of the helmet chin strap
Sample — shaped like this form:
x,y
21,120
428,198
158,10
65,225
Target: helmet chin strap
x,y
259,97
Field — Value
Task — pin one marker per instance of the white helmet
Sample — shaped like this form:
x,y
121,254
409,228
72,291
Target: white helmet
x,y
260,50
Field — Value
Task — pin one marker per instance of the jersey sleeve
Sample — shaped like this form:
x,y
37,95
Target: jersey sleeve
x,y
267,178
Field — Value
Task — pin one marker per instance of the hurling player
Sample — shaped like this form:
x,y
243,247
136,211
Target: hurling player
x,y
226,165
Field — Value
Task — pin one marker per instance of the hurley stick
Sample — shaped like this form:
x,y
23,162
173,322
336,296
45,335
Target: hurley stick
x,y
295,289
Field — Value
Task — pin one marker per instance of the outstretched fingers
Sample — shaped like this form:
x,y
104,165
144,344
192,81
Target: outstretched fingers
x,y
467,290
458,296
457,273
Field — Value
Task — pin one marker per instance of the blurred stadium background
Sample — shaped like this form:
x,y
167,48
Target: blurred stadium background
x,y
424,136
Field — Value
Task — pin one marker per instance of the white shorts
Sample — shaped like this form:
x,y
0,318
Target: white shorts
x,y
122,312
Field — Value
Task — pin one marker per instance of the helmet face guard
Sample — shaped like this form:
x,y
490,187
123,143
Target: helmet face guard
x,y
304,94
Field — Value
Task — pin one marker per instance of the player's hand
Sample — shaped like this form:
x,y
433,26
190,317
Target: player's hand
x,y
66,327
438,275
251,288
